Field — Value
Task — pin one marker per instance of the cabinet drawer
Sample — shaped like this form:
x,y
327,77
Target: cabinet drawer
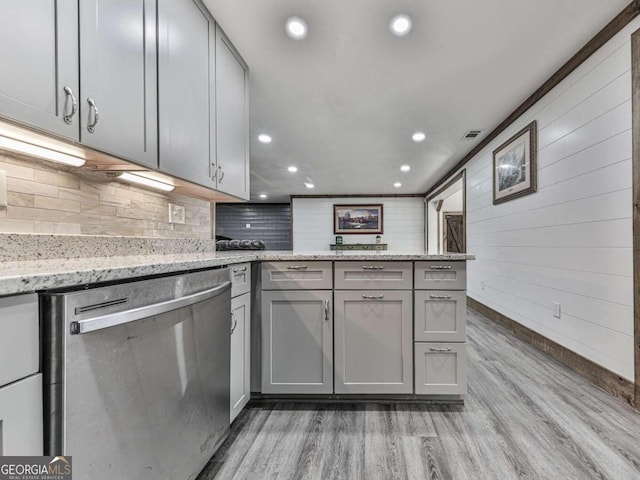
x,y
19,337
441,275
297,276
440,316
373,275
440,368
21,430
240,279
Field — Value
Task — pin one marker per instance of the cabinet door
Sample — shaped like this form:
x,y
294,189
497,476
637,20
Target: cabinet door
x,y
297,342
232,119
19,337
39,59
118,74
441,368
440,316
21,431
373,342
240,353
186,110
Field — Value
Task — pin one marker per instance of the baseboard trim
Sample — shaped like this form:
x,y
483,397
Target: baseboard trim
x,y
607,380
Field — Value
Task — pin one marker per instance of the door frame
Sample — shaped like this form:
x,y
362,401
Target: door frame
x,y
635,129
460,176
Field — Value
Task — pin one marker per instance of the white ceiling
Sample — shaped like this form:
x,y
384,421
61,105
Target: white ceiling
x,y
342,104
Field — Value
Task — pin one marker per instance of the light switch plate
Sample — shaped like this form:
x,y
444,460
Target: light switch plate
x,y
247,225
556,310
177,214
3,188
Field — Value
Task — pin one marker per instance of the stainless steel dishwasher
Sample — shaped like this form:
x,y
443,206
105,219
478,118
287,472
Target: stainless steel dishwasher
x,y
137,376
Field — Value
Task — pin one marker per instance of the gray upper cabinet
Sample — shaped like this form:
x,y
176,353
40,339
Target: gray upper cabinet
x,y
39,59
186,91
232,119
373,342
118,101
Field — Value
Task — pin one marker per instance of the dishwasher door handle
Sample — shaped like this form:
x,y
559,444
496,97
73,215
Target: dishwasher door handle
x,y
120,318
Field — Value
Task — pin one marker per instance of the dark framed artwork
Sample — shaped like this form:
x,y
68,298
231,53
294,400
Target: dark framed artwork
x,y
356,219
515,165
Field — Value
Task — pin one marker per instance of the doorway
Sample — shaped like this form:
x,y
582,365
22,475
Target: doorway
x,y
446,218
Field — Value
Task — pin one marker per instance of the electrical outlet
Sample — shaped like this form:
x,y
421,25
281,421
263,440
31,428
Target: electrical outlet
x,y
482,284
247,225
556,309
177,213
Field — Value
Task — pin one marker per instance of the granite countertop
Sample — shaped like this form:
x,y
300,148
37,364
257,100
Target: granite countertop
x,y
25,276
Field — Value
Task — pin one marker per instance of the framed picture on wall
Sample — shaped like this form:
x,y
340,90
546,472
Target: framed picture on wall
x,y
349,219
515,165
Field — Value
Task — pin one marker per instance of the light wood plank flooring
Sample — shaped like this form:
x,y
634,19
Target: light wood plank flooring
x,y
525,416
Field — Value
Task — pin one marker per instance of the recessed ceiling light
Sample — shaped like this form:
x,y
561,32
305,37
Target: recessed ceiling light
x,y
397,184
309,184
292,169
418,136
405,168
264,138
296,28
400,25
263,195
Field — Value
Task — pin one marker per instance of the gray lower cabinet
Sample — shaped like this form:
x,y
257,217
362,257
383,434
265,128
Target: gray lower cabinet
x,y
39,59
297,342
240,353
441,368
186,101
21,421
232,119
373,342
118,78
440,316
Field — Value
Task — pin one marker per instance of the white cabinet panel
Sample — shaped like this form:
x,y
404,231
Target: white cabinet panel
x,y
19,337
440,275
240,279
186,103
21,431
441,368
440,316
118,73
232,119
297,342
373,341
39,58
297,275
240,353
373,275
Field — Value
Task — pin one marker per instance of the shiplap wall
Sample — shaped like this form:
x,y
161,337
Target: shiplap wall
x,y
403,223
571,242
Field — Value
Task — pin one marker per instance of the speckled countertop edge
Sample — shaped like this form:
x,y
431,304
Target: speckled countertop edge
x,y
37,275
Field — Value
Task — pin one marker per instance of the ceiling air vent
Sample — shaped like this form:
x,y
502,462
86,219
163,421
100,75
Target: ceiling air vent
x,y
471,134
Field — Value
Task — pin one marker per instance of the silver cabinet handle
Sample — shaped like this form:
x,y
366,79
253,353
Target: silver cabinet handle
x,y
440,267
74,105
220,173
296,267
326,310
373,267
127,316
96,115
213,173
239,270
445,349
373,297
235,322
441,297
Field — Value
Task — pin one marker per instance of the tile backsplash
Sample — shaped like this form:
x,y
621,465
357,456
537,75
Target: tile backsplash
x,y
45,198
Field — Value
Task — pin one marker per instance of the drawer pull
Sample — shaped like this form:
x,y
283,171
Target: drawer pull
x,y
239,270
326,310
373,267
373,297
441,297
296,267
235,322
440,267
436,349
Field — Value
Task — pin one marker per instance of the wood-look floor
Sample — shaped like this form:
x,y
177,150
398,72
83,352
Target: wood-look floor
x,y
525,416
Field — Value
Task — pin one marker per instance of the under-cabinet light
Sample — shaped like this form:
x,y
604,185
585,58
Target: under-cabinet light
x,y
146,181
25,148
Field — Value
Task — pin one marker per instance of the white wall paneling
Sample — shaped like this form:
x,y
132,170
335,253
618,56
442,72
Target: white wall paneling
x,y
403,223
571,241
